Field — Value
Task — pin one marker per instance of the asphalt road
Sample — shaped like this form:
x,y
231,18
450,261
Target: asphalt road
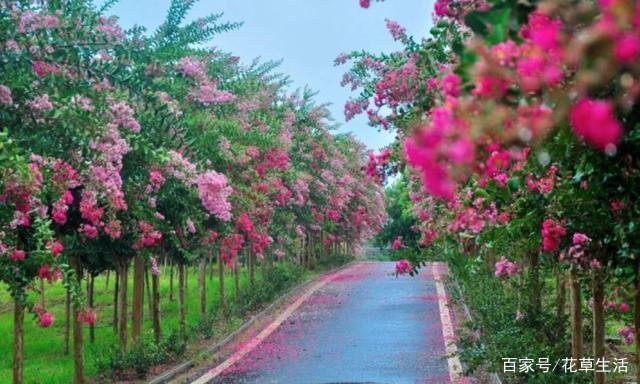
x,y
362,325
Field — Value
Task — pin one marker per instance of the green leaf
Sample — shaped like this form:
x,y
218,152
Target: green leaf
x,y
493,25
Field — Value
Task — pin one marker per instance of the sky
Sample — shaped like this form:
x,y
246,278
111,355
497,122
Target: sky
x,y
306,34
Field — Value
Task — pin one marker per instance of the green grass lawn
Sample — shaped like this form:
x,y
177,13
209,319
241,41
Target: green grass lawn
x,y
45,361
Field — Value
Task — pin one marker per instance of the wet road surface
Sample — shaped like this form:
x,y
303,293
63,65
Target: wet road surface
x,y
362,325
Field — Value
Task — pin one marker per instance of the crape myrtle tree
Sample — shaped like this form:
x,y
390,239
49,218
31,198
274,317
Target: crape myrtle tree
x,y
518,127
121,149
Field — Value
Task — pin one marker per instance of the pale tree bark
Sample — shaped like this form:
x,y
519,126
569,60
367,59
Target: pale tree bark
x,y
223,303
90,294
576,315
138,294
18,342
236,278
78,340
156,308
181,299
67,322
636,323
122,301
598,322
202,285
116,285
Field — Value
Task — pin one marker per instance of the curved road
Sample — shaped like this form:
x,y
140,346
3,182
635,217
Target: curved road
x,y
358,325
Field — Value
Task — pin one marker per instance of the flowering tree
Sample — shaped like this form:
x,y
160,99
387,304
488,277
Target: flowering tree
x,y
126,147
517,122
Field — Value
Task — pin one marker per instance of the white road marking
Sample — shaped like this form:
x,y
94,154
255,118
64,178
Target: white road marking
x,y
455,368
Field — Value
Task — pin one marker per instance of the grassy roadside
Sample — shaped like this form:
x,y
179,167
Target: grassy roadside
x,y
46,363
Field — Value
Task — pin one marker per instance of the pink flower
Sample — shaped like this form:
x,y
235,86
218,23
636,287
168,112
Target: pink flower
x,y
88,316
155,270
627,48
595,122
45,319
89,230
623,308
17,255
208,94
552,233
580,239
40,103
397,31
504,267
5,95
56,248
397,243
59,217
403,267
214,193
365,3
244,223
450,85
191,227
333,215
628,335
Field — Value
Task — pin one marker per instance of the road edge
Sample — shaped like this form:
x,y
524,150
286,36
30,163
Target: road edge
x,y
183,367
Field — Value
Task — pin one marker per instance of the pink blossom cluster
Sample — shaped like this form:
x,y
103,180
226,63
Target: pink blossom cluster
x,y
397,243
505,268
5,95
628,334
229,247
577,253
192,67
209,94
333,215
259,243
244,223
595,122
214,193
32,21
376,163
403,267
45,272
122,115
149,236
398,32
109,27
40,103
552,234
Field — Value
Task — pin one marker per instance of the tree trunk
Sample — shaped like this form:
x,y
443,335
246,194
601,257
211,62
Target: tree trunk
x,y
181,299
561,293
636,296
106,282
147,284
535,301
236,279
90,282
252,267
137,297
598,322
223,303
171,281
202,282
115,301
123,306
78,342
67,322
156,308
576,316
211,266
18,342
